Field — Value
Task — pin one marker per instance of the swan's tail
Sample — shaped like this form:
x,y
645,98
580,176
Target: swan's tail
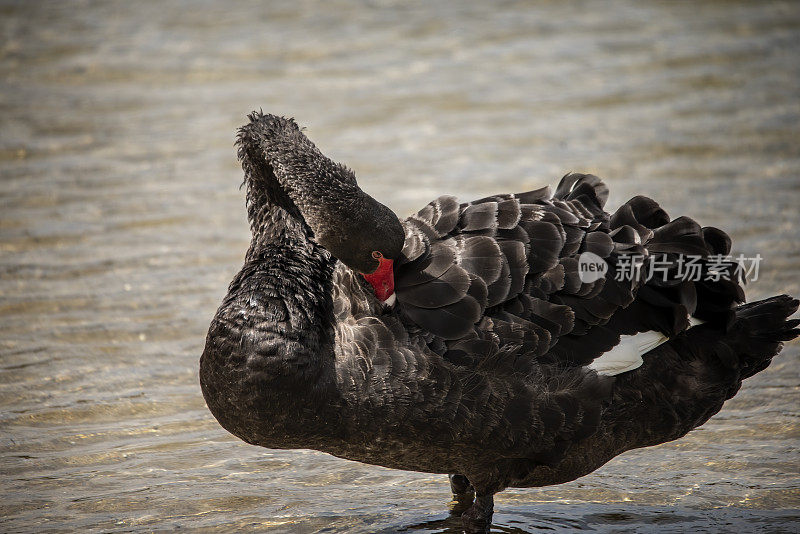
x,y
756,336
766,326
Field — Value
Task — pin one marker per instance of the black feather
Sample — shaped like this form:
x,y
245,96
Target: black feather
x,y
480,256
449,322
477,217
508,214
447,289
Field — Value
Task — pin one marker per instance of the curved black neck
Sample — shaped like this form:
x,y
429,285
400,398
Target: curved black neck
x,y
269,351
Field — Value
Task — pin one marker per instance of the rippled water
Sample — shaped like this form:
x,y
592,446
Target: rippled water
x,y
121,224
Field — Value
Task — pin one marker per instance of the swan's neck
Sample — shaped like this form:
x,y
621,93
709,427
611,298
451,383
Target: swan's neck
x,y
269,351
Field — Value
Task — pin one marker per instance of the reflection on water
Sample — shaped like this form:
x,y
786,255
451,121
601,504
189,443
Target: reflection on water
x,y
121,225
573,517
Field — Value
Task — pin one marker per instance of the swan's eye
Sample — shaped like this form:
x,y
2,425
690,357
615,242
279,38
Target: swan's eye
x,y
377,255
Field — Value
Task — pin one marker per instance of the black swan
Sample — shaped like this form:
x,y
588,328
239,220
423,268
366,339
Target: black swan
x,y
464,340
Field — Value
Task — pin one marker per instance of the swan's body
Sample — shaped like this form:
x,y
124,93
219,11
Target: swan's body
x,y
495,362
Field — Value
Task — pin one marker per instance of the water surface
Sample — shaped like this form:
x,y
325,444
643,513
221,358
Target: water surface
x,y
121,224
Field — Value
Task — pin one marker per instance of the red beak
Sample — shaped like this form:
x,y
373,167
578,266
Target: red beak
x,y
382,280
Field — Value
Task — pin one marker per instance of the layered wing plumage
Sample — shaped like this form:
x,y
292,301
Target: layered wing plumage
x,y
504,270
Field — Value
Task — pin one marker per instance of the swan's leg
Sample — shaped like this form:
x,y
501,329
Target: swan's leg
x,y
463,494
461,488
478,519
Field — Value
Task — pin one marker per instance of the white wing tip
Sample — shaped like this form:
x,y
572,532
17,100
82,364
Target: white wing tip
x,y
627,355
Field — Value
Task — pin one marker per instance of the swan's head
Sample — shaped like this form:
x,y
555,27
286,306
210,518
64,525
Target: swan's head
x,y
355,228
362,234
